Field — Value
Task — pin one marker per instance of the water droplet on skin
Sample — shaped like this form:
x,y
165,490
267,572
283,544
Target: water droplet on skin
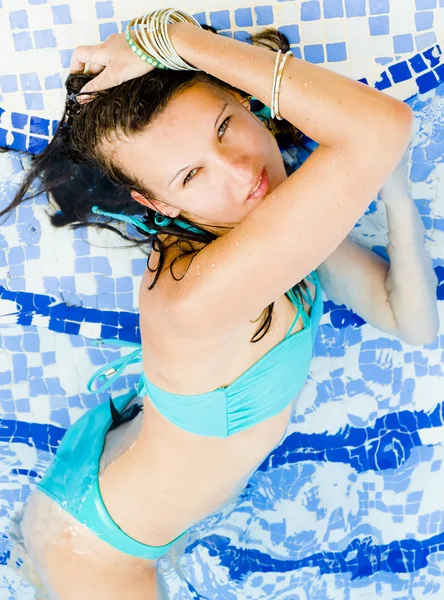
x,y
237,242
341,204
213,265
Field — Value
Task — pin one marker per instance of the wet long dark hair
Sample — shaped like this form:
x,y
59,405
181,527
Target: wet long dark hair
x,y
79,175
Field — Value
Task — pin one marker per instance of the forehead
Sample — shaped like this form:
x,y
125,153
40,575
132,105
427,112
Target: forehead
x,y
175,138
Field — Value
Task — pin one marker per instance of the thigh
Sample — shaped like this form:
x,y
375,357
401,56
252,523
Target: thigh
x,y
72,562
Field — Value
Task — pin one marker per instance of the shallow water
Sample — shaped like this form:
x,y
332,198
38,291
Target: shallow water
x,y
349,505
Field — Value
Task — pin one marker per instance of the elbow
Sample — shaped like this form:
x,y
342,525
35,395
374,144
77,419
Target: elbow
x,y
406,119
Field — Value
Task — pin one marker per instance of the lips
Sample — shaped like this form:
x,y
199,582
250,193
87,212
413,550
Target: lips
x,y
256,185
262,186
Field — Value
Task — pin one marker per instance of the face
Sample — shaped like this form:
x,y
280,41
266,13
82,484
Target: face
x,y
202,156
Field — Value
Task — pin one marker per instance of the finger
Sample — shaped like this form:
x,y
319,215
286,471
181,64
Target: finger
x,y
85,54
104,81
95,68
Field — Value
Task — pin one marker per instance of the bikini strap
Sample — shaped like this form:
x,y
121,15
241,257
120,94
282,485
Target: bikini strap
x,y
300,312
114,369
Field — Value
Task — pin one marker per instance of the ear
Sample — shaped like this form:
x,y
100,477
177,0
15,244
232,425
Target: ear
x,y
162,207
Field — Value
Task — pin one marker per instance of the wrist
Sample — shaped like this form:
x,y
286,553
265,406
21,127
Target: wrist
x,y
175,31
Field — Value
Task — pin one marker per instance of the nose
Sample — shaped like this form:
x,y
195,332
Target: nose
x,y
239,172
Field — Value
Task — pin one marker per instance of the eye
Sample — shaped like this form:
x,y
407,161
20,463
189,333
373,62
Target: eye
x,y
188,178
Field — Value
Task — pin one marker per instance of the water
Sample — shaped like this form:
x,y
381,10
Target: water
x,y
349,506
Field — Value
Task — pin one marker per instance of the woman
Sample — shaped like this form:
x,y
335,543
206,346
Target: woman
x,y
215,404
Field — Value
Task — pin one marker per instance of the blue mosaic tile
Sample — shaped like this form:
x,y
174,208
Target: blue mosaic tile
x,y
264,15
39,126
314,53
124,284
220,19
379,25
37,145
355,8
292,33
425,4
65,57
201,18
22,41
19,19
427,82
100,264
8,83
336,52
82,265
53,82
333,9
403,43
138,266
61,14
310,11
400,72
104,10
19,121
424,40
379,7
107,29
424,20
243,17
44,39
418,64
30,81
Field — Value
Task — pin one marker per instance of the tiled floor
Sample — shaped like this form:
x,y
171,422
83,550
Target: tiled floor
x,y
350,505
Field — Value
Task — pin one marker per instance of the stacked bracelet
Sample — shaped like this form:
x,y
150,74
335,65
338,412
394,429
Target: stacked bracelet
x,y
137,49
151,41
152,44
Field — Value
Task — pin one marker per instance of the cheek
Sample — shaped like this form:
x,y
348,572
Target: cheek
x,y
255,138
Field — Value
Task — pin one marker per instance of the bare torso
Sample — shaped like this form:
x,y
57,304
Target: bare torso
x,y
170,478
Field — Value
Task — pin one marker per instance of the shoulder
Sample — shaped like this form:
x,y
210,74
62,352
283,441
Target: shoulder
x,y
164,295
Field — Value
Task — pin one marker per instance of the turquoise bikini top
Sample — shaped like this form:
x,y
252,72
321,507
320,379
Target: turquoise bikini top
x,y
264,390
261,392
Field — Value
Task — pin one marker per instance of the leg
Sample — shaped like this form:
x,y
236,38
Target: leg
x,y
73,563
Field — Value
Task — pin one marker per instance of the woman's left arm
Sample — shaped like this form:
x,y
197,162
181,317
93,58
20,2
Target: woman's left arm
x,y
397,297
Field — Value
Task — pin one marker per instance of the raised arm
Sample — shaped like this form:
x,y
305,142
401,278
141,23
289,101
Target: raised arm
x,y
362,135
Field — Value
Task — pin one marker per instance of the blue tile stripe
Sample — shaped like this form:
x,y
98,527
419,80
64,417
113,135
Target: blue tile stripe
x,y
64,318
360,558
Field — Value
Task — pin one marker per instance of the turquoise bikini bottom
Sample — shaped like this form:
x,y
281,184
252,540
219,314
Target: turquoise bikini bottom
x,y
72,479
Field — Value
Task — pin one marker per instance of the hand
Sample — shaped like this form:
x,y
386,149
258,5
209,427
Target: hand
x,y
113,61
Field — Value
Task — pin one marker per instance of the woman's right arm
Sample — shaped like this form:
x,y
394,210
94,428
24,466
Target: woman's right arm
x,y
362,133
329,108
